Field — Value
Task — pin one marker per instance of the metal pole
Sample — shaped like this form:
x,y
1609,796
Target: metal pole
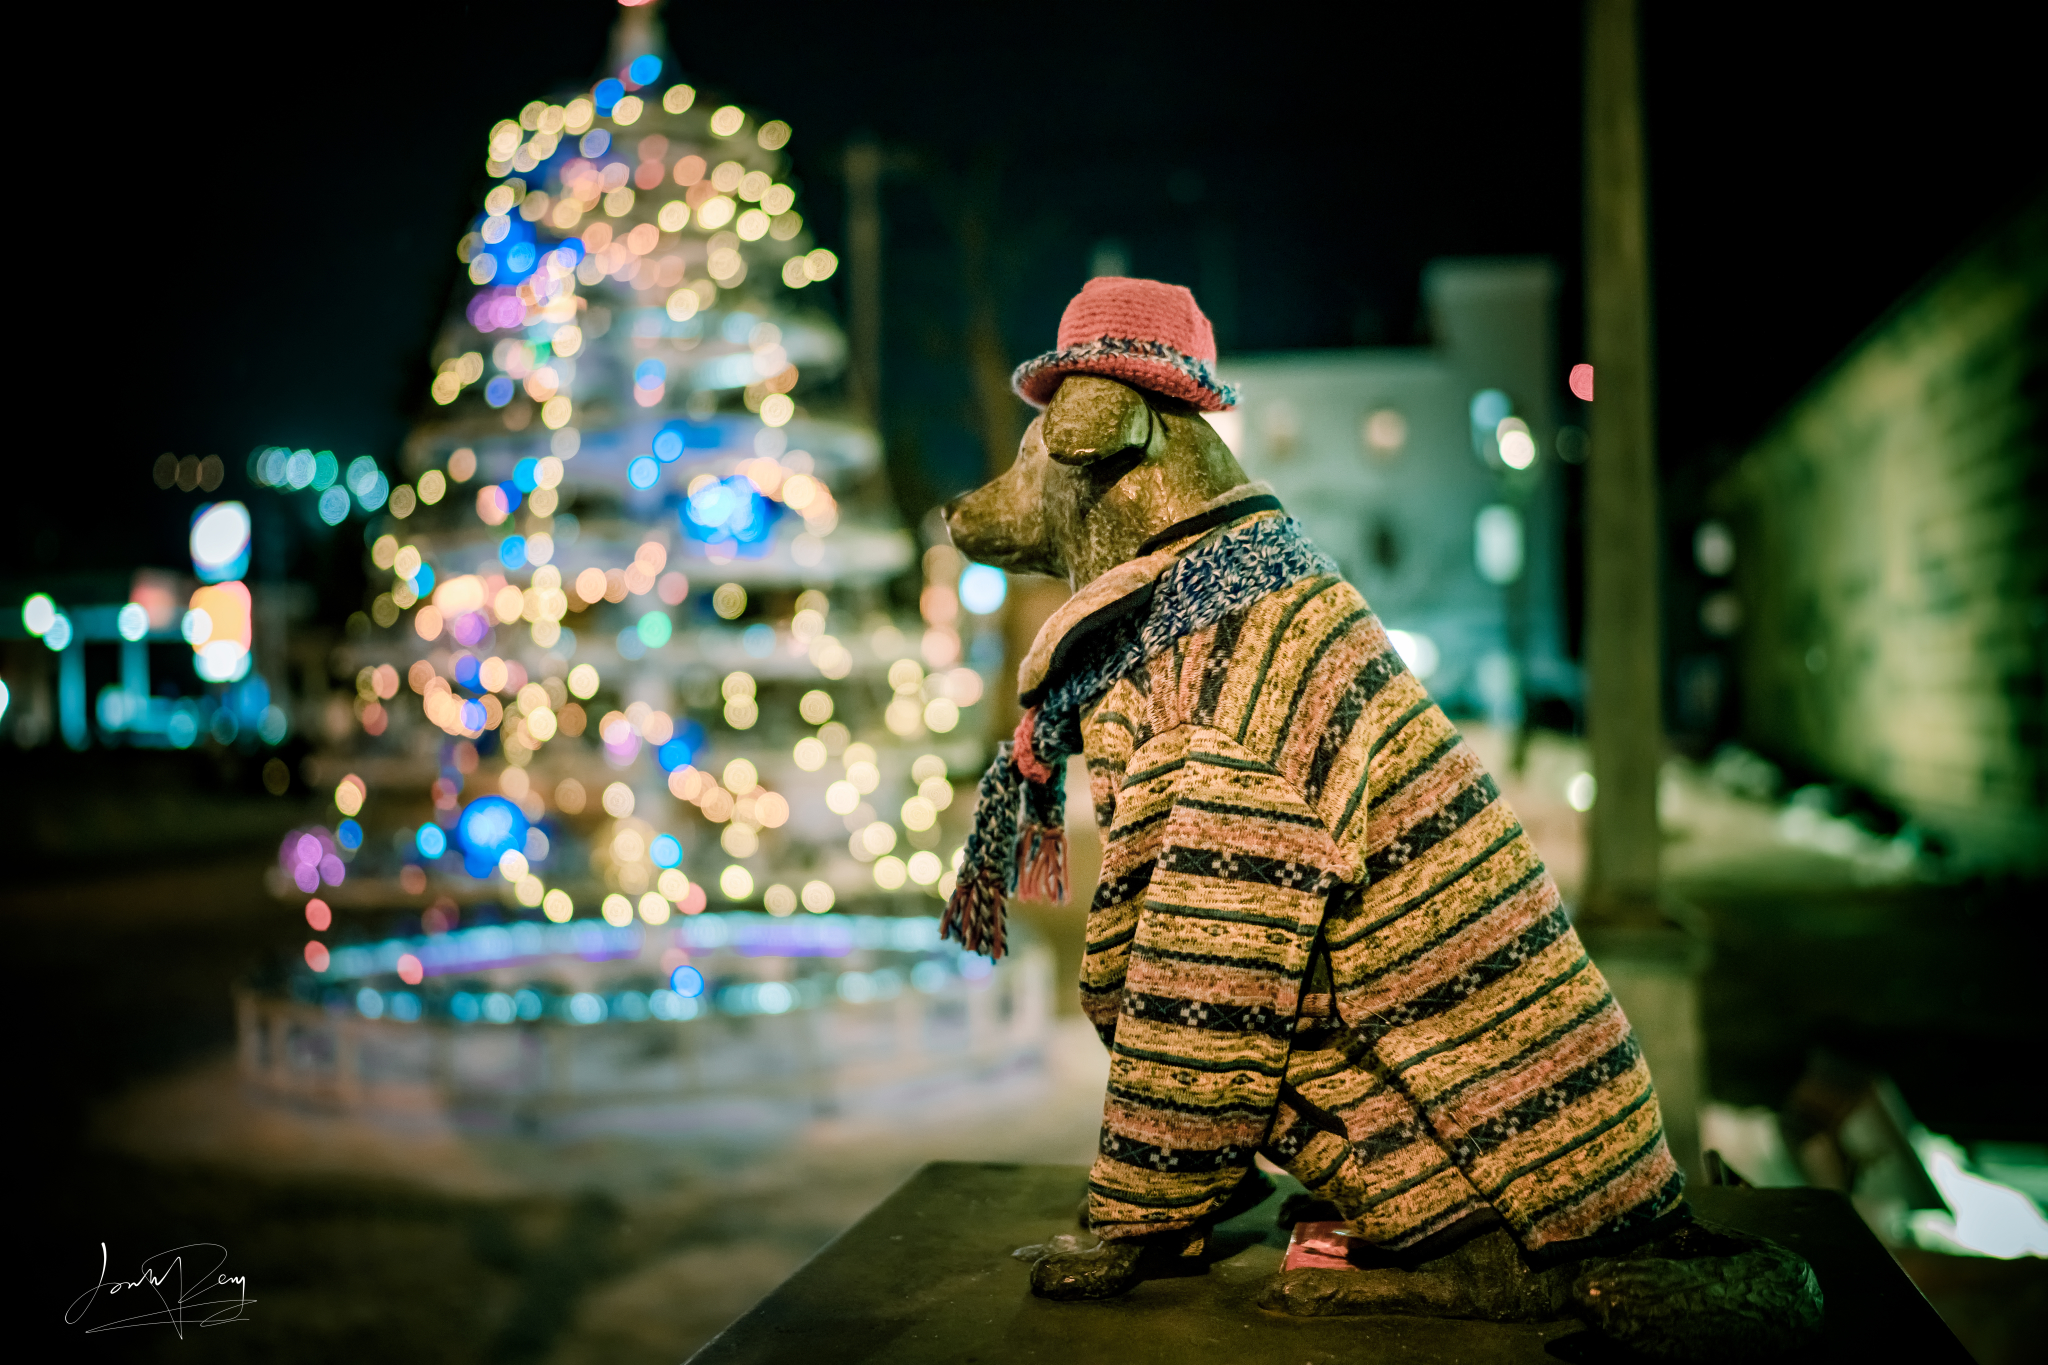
x,y
1652,967
1624,722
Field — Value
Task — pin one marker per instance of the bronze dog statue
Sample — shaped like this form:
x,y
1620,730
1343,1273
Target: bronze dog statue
x,y
1106,474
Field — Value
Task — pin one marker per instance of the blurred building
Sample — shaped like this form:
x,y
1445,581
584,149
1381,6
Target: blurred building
x,y
153,658
1890,600
1433,476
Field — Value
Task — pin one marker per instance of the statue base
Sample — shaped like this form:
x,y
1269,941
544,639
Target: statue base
x,y
927,1277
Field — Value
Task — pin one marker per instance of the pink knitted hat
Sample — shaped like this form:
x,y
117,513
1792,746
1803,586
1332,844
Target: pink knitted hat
x,y
1142,332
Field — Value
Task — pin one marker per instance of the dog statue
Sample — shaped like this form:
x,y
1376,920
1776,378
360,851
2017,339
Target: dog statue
x,y
1320,935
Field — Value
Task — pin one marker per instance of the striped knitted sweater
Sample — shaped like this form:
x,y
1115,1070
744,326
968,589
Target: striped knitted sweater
x,y
1321,935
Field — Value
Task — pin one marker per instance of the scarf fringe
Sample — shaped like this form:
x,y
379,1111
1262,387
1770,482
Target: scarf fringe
x,y
1042,863
974,914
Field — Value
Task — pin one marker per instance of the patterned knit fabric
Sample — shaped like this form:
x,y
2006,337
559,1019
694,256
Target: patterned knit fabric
x,y
1320,934
1226,570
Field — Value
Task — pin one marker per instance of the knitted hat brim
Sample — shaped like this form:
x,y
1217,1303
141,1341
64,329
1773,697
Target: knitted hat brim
x,y
1149,365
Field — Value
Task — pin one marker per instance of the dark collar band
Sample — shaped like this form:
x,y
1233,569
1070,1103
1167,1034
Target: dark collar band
x,y
1131,607
1203,521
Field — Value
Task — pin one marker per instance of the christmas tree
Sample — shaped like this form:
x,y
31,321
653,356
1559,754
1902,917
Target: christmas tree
x,y
659,709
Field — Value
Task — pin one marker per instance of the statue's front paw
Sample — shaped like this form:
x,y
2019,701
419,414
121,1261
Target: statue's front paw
x,y
1070,1271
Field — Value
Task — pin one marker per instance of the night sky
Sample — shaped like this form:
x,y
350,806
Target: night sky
x,y
262,242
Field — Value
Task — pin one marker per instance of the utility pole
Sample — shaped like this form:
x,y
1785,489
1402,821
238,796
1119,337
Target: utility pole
x,y
863,169
1623,704
1652,966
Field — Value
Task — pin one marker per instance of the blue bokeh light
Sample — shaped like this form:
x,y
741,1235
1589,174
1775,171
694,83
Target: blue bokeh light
x,y
1489,408
645,70
333,506
517,252
650,374
467,668
680,435
665,850
489,827
526,474
367,482
512,552
729,510
607,93
683,746
643,472
430,841
349,834
249,699
499,391
983,588
686,981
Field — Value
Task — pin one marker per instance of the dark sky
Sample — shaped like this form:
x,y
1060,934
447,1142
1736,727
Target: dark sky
x,y
267,199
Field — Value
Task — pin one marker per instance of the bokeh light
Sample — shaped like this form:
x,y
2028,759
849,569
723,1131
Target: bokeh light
x,y
219,541
489,828
983,588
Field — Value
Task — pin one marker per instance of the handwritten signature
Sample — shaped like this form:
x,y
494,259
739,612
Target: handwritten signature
x,y
183,1283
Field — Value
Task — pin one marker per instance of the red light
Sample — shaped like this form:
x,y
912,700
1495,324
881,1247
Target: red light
x,y
1582,383
320,917
316,956
409,969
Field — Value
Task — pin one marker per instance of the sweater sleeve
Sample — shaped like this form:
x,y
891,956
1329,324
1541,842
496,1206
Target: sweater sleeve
x,y
1212,953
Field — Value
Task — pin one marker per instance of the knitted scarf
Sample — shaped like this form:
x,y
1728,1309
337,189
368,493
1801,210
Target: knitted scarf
x,y
1018,846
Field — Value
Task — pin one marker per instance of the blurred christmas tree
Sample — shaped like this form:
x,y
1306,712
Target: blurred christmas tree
x,y
649,639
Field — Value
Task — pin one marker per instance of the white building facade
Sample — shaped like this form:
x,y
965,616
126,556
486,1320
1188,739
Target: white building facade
x,y
1433,476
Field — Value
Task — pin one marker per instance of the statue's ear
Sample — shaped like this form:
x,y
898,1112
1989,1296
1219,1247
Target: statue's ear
x,y
1091,418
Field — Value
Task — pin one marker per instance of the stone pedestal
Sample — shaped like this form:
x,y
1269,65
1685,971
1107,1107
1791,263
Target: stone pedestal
x,y
927,1277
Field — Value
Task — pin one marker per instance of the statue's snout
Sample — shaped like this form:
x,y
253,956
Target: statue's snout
x,y
1003,521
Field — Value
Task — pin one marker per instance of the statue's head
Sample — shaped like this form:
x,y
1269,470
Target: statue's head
x,y
1121,448
1098,471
